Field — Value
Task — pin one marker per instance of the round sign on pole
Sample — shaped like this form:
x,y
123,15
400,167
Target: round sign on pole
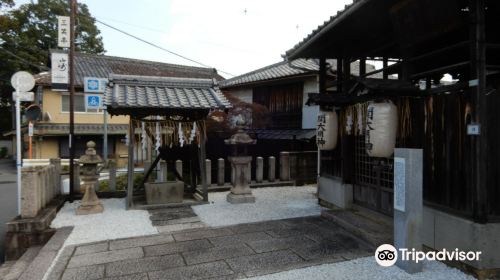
x,y
22,81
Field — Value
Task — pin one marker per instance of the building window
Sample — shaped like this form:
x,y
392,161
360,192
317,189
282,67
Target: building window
x,y
79,104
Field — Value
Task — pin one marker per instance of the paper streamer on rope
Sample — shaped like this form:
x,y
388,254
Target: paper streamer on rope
x,y
193,133
144,136
181,135
157,137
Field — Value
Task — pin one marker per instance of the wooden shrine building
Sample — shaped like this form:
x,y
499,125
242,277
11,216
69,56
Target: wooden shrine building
x,y
455,121
171,112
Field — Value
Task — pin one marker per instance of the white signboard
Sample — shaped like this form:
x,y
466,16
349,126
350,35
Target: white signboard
x,y
93,101
60,71
399,183
92,84
23,96
30,129
63,32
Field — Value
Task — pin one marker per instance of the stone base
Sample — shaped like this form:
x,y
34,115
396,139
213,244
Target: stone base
x,y
240,198
89,209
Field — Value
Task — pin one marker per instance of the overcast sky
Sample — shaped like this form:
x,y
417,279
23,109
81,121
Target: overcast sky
x,y
235,36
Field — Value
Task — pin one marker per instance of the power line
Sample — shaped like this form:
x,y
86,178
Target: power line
x,y
159,47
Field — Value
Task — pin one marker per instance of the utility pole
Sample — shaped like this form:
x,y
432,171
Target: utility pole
x,y
72,5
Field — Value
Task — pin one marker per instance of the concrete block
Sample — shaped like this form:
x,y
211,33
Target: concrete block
x,y
106,257
208,171
163,176
30,192
92,248
239,238
263,261
172,248
333,191
143,265
140,241
216,253
200,234
284,166
213,270
178,167
240,198
86,272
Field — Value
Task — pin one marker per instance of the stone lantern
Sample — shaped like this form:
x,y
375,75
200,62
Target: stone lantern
x,y
240,191
89,174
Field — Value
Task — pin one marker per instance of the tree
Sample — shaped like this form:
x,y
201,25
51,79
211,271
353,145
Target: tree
x,y
28,33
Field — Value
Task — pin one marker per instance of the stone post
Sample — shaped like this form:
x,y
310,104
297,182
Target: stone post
x,y
220,172
284,166
30,192
272,169
208,171
112,174
56,162
259,170
408,204
249,172
240,191
178,167
163,171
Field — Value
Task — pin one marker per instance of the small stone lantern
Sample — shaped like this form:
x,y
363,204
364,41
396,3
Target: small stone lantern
x,y
240,191
89,176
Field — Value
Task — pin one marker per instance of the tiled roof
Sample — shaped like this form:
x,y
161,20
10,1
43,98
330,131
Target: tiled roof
x,y
80,129
286,69
125,91
330,22
101,66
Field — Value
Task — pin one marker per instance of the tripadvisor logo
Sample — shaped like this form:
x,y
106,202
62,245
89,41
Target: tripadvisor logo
x,y
387,255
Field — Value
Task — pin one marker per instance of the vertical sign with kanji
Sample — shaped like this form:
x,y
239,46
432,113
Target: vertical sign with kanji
x,y
327,130
60,71
63,31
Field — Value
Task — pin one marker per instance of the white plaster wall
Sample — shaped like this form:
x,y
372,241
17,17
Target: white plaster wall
x,y
309,113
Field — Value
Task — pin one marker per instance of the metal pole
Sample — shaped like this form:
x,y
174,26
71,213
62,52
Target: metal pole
x,y
30,141
72,4
18,151
105,140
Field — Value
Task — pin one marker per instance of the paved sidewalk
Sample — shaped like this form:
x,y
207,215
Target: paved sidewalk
x,y
220,253
8,198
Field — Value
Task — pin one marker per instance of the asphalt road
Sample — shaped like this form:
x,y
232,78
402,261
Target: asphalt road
x,y
8,198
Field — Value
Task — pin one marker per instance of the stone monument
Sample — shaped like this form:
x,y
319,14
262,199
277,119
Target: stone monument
x,y
90,175
240,191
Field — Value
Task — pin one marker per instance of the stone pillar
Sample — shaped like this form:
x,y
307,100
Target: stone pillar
x,y
220,172
272,169
408,204
56,162
30,192
208,171
163,171
232,174
284,166
112,174
178,167
259,170
240,191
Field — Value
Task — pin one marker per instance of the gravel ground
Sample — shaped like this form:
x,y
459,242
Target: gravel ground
x,y
367,268
271,204
115,222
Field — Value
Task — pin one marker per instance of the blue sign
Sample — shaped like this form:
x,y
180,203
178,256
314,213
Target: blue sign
x,y
92,84
93,101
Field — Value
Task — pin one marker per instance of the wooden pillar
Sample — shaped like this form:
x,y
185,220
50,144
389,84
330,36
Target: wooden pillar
x,y
347,72
130,167
322,75
480,112
340,74
362,66
385,63
202,164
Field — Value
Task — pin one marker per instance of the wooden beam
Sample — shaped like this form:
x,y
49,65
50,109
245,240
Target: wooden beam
x,y
202,157
385,63
322,75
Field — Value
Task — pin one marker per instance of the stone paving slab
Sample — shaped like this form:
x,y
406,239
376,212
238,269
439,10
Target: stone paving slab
x,y
176,247
200,234
239,238
180,227
216,253
92,248
275,244
140,241
263,261
199,271
232,252
105,257
86,272
143,265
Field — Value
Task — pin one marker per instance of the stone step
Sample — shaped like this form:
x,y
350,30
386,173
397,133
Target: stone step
x,y
373,228
19,266
253,184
